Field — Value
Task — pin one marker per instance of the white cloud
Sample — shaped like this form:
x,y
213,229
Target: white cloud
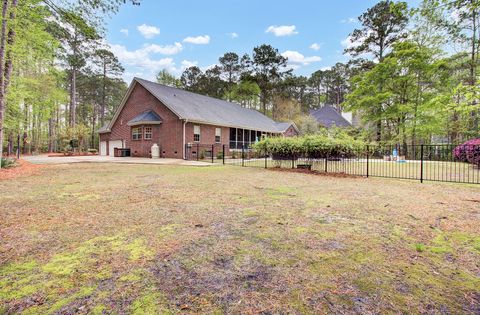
x,y
140,57
295,58
283,30
198,40
350,20
187,64
315,46
208,67
145,63
141,63
164,50
124,31
232,35
347,42
148,31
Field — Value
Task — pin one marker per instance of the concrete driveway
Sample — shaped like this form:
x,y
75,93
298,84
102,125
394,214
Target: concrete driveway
x,y
44,159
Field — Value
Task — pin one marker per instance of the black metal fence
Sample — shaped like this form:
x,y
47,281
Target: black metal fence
x,y
446,163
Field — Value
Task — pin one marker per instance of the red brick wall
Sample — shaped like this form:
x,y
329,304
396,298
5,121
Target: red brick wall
x,y
290,132
207,134
168,135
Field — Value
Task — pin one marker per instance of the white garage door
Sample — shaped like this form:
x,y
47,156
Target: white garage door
x,y
114,144
103,147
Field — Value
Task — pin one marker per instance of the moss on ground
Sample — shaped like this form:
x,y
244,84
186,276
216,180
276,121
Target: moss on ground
x,y
145,239
149,304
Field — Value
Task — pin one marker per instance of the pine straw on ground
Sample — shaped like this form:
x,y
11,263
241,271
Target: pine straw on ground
x,y
313,172
149,239
21,169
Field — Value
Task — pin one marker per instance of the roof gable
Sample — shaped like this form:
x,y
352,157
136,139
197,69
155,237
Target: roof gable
x,y
329,117
147,117
283,126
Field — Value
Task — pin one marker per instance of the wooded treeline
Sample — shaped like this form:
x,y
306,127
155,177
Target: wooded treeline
x,y
59,80
411,76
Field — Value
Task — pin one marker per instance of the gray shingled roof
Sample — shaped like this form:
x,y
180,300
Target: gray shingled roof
x,y
282,126
146,117
328,116
209,110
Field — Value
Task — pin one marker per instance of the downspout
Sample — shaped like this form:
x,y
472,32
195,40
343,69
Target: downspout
x,y
184,152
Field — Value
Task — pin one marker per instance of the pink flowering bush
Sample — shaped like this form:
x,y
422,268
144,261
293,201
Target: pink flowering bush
x,y
468,151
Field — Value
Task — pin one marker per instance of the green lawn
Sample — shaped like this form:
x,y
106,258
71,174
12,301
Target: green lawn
x,y
147,239
411,169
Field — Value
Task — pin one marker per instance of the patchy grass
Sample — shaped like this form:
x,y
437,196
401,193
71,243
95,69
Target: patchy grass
x,y
147,239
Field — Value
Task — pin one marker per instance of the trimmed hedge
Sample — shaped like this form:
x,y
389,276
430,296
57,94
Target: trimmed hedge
x,y
314,146
468,152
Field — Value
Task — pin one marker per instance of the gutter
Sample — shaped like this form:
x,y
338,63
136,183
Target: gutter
x,y
184,143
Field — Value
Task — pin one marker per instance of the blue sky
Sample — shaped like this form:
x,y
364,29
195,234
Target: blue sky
x,y
175,34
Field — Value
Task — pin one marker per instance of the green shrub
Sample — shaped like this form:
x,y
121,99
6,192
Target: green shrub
x,y
219,155
93,151
202,155
312,146
7,162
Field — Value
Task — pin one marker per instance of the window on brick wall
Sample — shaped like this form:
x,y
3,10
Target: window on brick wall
x,y
137,133
218,135
196,133
147,133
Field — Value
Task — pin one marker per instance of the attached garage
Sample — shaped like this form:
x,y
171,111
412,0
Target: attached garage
x,y
112,144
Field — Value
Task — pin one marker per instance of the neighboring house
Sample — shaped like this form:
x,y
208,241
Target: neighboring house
x,y
174,119
327,116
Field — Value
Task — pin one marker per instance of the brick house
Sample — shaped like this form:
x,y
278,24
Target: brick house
x,y
176,119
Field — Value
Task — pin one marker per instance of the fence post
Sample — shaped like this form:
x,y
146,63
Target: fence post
x,y
421,163
213,148
243,155
293,161
266,159
198,151
223,154
326,166
368,158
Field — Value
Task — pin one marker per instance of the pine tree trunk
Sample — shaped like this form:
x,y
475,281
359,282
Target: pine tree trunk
x,y
103,105
50,135
10,144
94,119
473,69
3,41
57,122
73,98
10,41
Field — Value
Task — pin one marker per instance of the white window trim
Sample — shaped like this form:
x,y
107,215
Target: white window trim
x,y
199,133
139,134
145,133
219,135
